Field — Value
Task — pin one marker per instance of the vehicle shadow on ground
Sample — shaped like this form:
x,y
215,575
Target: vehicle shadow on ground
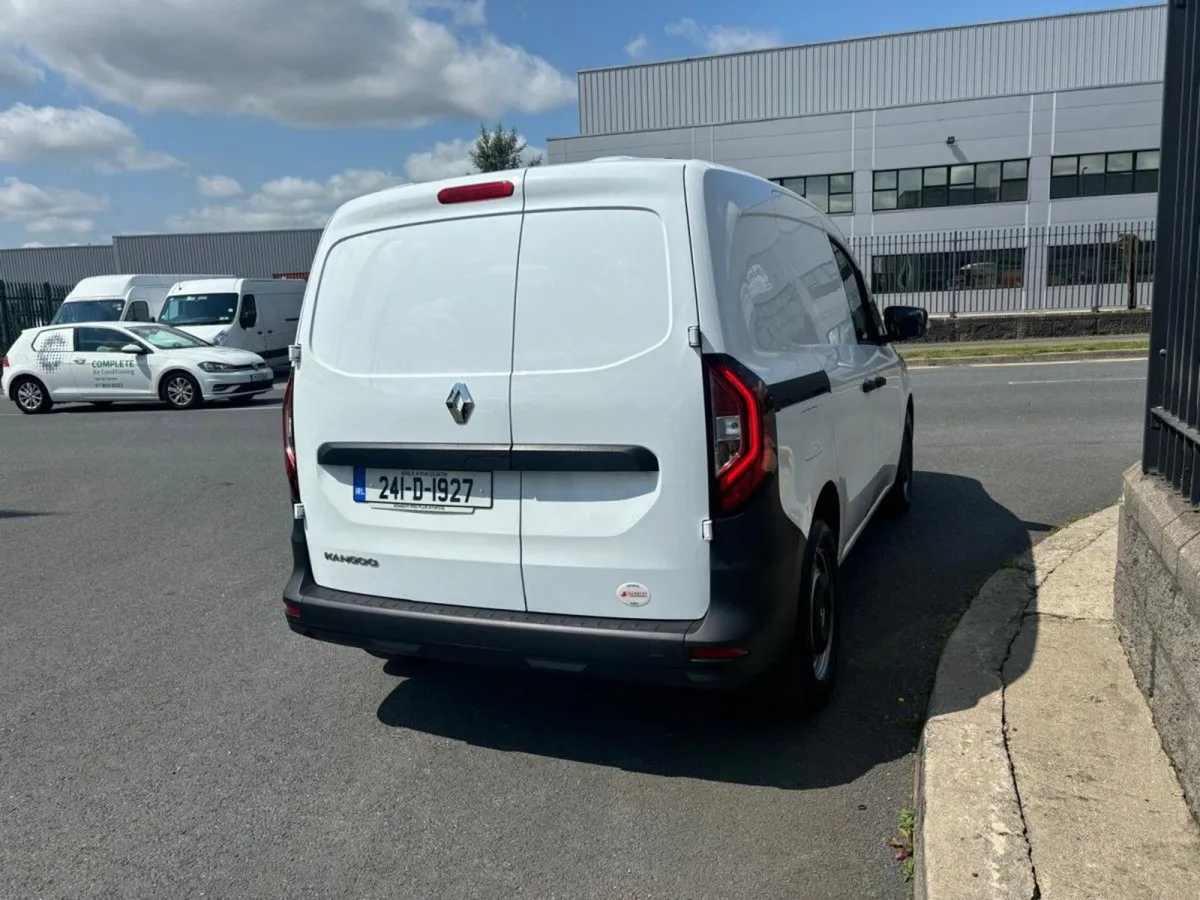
x,y
904,587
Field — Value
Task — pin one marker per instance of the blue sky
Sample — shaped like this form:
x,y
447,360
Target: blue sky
x,y
133,116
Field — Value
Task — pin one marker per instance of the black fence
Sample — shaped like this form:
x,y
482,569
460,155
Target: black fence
x,y
24,305
1006,270
1172,441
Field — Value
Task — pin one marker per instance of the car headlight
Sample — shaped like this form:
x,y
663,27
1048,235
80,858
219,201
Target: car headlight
x,y
220,337
217,367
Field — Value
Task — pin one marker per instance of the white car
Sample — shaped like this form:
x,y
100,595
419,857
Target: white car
x,y
107,361
624,418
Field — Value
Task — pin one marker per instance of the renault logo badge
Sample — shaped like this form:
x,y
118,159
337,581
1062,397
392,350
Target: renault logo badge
x,y
460,403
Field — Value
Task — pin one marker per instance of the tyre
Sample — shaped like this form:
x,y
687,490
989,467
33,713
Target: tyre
x,y
31,396
900,498
181,391
800,684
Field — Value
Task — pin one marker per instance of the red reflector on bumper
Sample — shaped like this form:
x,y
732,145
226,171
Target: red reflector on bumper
x,y
291,609
708,653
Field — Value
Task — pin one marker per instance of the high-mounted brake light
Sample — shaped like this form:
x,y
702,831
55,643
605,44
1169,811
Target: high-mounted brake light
x,y
468,193
289,441
741,430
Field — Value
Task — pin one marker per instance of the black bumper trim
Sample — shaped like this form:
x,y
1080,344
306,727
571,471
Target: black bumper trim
x,y
752,605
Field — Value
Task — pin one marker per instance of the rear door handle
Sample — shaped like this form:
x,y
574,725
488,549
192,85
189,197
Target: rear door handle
x,y
80,361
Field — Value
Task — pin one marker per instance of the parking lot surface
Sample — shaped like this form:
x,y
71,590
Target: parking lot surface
x,y
162,733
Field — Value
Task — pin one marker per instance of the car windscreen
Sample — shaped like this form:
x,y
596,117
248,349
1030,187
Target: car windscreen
x,y
167,338
88,311
199,309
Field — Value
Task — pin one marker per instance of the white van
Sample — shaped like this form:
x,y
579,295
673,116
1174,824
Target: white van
x,y
624,418
256,314
115,298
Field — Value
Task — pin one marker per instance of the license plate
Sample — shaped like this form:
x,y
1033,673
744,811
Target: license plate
x,y
423,488
262,376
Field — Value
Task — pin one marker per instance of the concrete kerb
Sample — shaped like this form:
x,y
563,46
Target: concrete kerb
x,y
970,839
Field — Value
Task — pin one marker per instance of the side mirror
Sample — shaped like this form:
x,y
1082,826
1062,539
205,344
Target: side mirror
x,y
905,323
135,349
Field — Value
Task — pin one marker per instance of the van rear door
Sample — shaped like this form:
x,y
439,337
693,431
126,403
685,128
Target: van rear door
x,y
401,401
608,420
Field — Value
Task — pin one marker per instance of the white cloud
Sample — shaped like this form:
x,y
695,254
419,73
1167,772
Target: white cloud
x,y
723,38
15,72
299,62
287,202
470,13
48,210
29,134
637,47
218,186
450,160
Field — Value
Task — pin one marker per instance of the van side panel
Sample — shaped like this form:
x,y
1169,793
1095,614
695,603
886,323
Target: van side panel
x,y
763,305
609,426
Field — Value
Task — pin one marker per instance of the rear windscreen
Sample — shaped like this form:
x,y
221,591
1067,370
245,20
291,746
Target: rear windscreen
x,y
593,288
424,299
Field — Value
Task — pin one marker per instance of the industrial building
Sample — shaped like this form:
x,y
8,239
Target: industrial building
x,y
1010,165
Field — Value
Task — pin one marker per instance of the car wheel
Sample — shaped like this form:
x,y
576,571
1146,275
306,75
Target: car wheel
x,y
31,396
181,391
900,498
800,684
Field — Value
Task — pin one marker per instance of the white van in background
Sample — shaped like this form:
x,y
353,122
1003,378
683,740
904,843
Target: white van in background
x,y
255,314
116,298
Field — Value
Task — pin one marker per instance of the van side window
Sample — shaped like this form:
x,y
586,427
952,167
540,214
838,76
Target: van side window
x,y
139,311
249,316
59,340
856,295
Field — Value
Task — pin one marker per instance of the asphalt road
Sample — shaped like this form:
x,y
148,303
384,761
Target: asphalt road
x,y
162,734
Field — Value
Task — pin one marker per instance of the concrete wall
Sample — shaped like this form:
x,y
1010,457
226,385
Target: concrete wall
x,y
1157,594
1027,126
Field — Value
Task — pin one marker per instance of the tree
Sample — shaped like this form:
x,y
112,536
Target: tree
x,y
496,150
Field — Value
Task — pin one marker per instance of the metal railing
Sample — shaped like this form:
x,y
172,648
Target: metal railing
x,y
1011,270
1172,438
24,305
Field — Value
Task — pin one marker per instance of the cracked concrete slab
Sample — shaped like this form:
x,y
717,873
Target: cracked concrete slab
x,y
1040,773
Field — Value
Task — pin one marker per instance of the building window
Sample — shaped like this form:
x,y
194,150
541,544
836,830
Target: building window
x,y
961,185
1104,174
828,193
963,270
1100,263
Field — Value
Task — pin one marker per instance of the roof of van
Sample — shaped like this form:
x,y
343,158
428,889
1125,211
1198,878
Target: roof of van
x,y
369,205
210,285
107,286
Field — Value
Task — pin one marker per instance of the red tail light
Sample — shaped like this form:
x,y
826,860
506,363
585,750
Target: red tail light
x,y
289,440
4,363
741,432
468,193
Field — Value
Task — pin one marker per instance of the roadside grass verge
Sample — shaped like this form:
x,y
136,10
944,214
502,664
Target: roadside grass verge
x,y
1018,349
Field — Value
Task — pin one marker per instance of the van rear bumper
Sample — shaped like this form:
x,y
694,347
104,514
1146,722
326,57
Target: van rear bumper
x,y
752,608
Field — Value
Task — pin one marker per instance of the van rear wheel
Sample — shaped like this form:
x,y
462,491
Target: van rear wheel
x,y
801,682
